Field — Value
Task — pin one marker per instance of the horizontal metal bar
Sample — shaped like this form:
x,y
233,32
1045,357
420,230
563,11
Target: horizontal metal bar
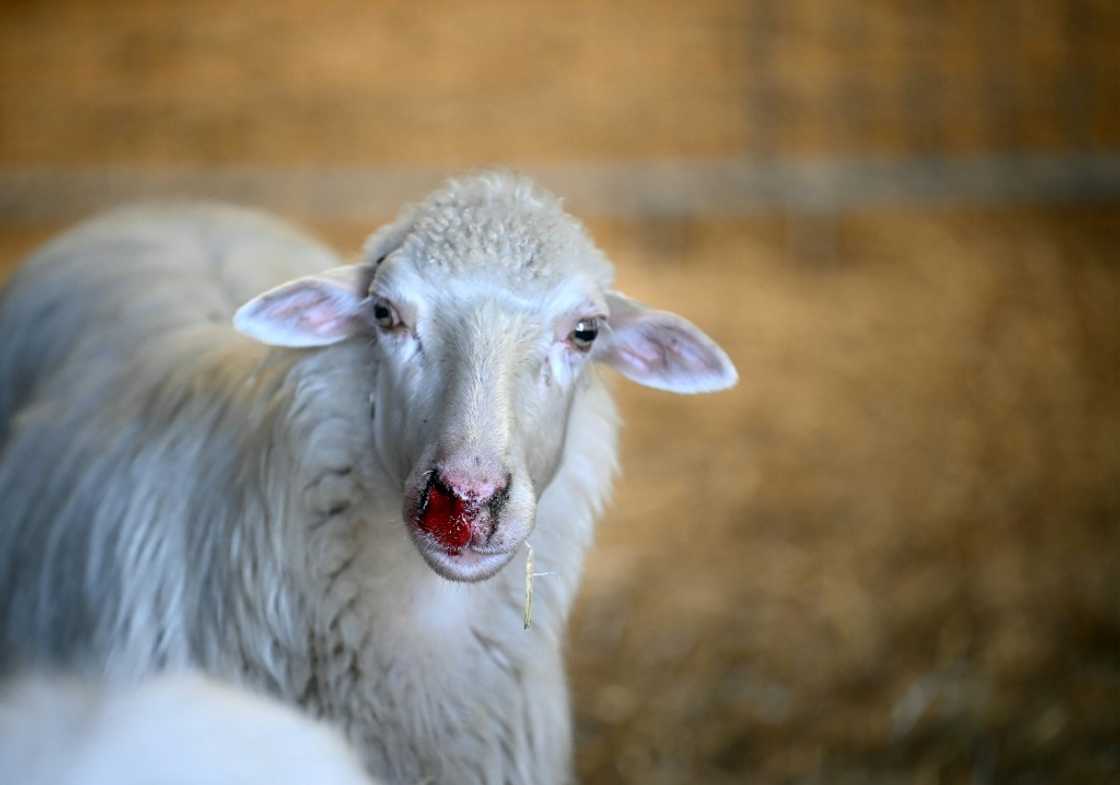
x,y
726,187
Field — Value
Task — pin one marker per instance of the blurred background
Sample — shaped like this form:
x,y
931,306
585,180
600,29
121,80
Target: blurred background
x,y
892,554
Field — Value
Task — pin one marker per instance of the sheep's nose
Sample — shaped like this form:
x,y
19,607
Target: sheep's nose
x,y
477,487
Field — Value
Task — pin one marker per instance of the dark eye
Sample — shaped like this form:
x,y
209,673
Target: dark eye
x,y
584,335
385,315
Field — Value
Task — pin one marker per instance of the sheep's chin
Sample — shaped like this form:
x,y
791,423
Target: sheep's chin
x,y
467,565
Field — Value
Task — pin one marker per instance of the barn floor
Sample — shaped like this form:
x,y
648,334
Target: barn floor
x,y
890,554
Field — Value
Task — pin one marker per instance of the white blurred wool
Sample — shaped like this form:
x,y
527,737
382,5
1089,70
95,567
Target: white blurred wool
x,y
179,729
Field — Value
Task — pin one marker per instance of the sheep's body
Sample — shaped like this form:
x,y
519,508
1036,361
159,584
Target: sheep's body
x,y
176,729
176,495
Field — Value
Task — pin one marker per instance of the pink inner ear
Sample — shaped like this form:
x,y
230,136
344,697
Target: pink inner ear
x,y
646,360
693,354
667,348
310,310
322,319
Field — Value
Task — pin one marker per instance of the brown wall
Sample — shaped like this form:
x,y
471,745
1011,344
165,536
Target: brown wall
x,y
352,82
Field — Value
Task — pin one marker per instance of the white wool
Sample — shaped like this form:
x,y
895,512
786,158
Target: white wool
x,y
176,729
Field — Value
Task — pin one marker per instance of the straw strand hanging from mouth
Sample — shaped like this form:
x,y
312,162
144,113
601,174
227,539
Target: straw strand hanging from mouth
x,y
527,613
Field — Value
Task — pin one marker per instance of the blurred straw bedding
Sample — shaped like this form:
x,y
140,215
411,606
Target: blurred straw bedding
x,y
891,554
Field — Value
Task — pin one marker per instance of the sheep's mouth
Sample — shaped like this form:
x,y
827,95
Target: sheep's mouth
x,y
467,566
454,535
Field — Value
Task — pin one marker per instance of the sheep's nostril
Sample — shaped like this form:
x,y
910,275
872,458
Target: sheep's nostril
x,y
498,499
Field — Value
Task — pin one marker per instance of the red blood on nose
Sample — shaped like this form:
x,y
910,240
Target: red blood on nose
x,y
445,518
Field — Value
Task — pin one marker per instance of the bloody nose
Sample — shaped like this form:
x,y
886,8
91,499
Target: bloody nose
x,y
455,511
446,517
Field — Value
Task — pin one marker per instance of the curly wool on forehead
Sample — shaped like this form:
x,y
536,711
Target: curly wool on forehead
x,y
505,224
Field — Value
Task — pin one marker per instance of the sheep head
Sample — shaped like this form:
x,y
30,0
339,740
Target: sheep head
x,y
485,306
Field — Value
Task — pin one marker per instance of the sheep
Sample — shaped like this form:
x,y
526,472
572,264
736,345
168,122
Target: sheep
x,y
171,729
221,448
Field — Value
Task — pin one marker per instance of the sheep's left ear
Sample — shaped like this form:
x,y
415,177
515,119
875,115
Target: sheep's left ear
x,y
662,350
314,311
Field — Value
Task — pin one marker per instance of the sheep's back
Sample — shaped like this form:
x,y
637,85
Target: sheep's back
x,y
124,420
123,281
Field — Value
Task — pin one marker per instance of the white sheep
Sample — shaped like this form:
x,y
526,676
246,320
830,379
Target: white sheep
x,y
172,729
330,522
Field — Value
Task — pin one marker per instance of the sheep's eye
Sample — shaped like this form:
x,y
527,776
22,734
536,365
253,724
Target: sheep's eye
x,y
385,315
585,333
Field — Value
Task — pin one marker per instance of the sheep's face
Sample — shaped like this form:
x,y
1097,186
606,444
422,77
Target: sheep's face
x,y
485,307
476,376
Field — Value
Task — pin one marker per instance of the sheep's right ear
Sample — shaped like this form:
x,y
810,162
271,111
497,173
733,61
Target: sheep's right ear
x,y
314,311
662,350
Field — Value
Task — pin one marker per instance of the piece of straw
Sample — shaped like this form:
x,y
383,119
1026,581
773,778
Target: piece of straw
x,y
527,615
